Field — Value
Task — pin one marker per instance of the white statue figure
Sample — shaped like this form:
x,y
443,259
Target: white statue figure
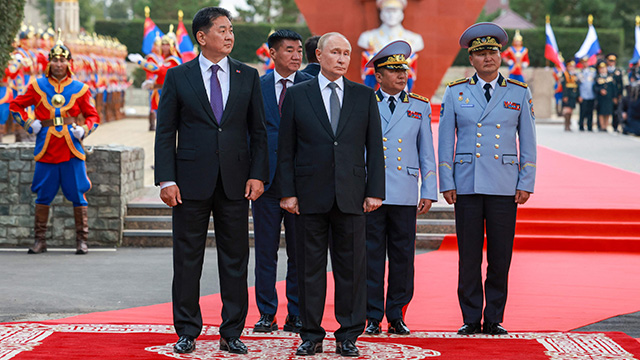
x,y
391,15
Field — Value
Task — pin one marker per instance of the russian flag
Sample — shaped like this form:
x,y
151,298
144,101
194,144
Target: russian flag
x,y
636,49
150,30
590,47
185,46
551,52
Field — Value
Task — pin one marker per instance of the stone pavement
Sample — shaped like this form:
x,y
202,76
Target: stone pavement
x,y
59,284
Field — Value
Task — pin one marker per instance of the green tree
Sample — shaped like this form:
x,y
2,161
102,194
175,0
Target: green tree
x,y
9,25
168,9
270,11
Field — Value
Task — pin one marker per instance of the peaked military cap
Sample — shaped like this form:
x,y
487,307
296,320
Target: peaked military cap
x,y
484,36
392,56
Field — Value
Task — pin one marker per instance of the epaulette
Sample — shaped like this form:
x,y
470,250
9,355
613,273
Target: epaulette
x,y
519,83
459,81
419,97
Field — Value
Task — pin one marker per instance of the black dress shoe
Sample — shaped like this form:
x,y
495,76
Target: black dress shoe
x,y
309,347
373,328
469,329
233,345
292,323
347,348
398,327
186,344
493,329
266,324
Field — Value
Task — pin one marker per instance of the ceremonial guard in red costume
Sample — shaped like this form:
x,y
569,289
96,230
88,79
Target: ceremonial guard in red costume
x,y
170,58
517,56
59,101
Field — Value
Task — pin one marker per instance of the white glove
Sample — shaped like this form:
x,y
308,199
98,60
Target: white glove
x,y
78,132
510,62
36,126
135,58
147,84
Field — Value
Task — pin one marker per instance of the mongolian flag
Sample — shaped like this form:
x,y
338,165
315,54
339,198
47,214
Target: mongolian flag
x,y
150,31
551,52
590,47
185,46
636,49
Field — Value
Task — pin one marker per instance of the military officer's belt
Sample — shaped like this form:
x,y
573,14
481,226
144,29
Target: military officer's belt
x,y
57,121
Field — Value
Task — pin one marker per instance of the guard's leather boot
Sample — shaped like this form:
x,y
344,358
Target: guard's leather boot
x,y
82,229
152,121
41,218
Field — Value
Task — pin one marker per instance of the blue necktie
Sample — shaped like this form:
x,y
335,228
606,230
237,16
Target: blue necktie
x,y
216,93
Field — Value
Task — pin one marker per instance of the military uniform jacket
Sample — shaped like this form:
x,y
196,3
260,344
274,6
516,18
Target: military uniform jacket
x,y
408,150
495,151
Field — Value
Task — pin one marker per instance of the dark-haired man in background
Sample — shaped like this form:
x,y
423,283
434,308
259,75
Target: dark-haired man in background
x,y
213,106
285,49
310,46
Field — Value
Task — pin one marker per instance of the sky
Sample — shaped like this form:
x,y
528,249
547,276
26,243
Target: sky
x,y
231,4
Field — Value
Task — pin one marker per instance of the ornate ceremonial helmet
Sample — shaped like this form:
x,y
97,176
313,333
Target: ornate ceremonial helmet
x,y
60,49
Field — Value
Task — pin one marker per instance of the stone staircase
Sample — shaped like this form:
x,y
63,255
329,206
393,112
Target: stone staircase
x,y
148,224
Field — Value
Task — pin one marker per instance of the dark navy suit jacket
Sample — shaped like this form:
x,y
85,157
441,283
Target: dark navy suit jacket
x,y
272,117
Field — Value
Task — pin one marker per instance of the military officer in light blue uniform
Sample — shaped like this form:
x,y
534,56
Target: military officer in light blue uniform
x,y
486,173
409,159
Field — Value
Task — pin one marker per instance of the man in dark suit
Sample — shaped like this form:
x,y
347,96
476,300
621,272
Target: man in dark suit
x,y
310,46
328,123
213,105
285,49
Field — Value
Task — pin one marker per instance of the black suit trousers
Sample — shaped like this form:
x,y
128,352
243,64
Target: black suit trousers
x,y
474,214
391,232
348,262
190,226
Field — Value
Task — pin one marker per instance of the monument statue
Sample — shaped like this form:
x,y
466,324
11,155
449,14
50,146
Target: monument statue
x,y
391,29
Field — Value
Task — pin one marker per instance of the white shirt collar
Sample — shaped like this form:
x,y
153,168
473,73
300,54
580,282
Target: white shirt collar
x,y
492,82
387,96
205,64
323,81
277,77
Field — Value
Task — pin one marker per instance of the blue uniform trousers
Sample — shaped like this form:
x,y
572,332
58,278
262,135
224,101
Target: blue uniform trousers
x,y
391,231
475,213
267,220
70,175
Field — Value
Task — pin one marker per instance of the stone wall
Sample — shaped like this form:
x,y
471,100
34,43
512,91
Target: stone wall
x,y
116,174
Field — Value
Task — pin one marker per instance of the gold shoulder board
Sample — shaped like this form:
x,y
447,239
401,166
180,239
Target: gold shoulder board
x,y
419,97
519,83
459,81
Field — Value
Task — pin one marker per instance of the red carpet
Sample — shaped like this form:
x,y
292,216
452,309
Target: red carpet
x,y
24,341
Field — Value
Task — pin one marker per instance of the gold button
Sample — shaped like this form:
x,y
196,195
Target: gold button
x,y
385,157
497,136
477,155
512,161
384,148
478,145
399,149
385,166
497,146
479,135
399,167
399,158
498,126
479,125
400,141
496,157
384,139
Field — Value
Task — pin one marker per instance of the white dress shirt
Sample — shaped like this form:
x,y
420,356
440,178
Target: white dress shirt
x,y
325,90
387,96
492,83
277,77
223,77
